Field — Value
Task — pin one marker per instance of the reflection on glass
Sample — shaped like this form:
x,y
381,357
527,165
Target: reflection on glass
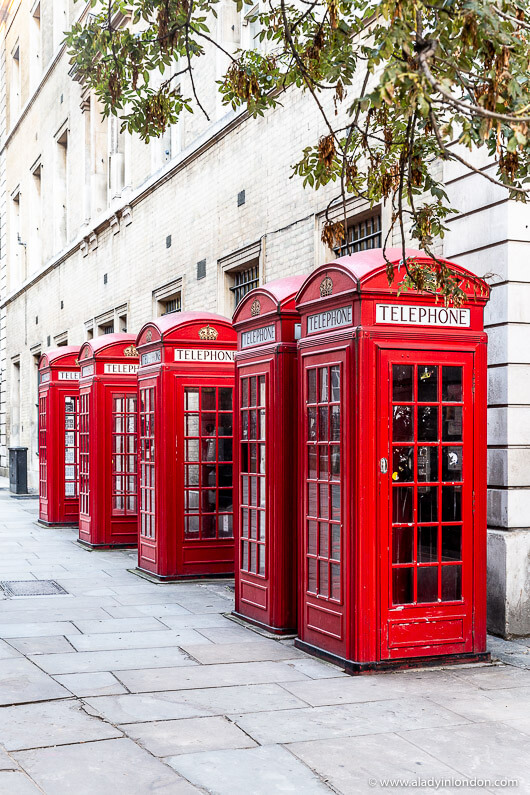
x,y
225,449
427,504
244,392
208,475
335,383
452,542
323,502
311,423
323,371
312,499
192,525
312,575
262,390
451,503
312,462
427,584
427,383
335,423
244,555
311,386
323,540
402,543
402,586
253,391
252,562
427,544
452,423
334,586
261,561
262,525
191,399
312,537
192,500
403,424
208,398
261,458
402,505
451,463
452,384
402,382
335,541
225,398
192,424
224,425
451,583
403,464
427,423
262,423
335,502
192,475
323,423
334,452
244,522
323,462
252,427
427,464
253,491
244,489
323,584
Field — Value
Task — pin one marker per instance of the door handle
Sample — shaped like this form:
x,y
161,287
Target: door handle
x,y
383,465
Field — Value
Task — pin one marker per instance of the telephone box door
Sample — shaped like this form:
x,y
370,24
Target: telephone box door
x,y
204,458
426,471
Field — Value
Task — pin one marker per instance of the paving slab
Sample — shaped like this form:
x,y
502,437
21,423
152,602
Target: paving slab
x,y
7,762
141,708
119,660
110,641
174,609
35,630
99,683
493,676
195,621
7,651
482,750
316,669
347,720
109,767
113,625
50,723
17,783
260,771
239,699
230,634
210,653
362,764
189,735
52,644
185,678
502,705
21,682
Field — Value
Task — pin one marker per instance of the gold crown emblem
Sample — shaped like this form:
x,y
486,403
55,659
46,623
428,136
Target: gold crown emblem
x,y
208,333
130,351
255,309
148,335
326,286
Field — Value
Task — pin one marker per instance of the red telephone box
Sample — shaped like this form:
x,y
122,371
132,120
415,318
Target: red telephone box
x,y
265,482
185,389
58,459
393,445
108,505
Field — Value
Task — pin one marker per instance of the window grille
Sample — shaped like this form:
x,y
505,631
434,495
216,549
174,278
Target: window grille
x,y
360,236
172,305
109,329
244,281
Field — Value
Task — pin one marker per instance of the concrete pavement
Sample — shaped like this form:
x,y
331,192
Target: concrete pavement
x,y
125,687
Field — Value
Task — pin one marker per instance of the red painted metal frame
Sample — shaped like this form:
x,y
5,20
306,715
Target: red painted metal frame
x,y
206,342
267,595
58,391
108,512
362,630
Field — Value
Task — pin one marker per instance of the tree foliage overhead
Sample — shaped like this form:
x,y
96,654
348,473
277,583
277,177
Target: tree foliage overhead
x,y
411,82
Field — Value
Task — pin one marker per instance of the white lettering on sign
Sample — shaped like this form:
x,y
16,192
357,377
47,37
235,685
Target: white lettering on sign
x,y
407,314
87,370
68,375
127,368
258,336
333,318
152,357
203,355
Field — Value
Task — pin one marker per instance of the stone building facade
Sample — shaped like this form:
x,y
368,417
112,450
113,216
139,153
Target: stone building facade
x,y
101,232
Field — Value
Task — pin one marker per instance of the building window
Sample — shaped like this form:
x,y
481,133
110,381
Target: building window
x,y
171,305
61,190
14,94
107,329
244,281
168,298
35,46
251,30
361,235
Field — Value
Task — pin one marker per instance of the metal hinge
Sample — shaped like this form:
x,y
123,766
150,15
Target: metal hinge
x,y
473,383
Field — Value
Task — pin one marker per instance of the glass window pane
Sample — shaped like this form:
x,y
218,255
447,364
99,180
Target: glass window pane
x,y
244,555
312,499
225,398
253,425
427,544
335,383
253,391
335,542
335,502
427,464
427,504
224,425
427,423
253,450
323,462
244,489
192,476
452,423
253,558
209,477
225,475
402,505
402,544
261,458
191,399
323,501
311,575
192,500
403,424
209,449
334,589
402,586
427,383
323,584
192,526
225,449
311,424
244,522
244,392
323,550
323,423
225,500
312,461
451,463
253,524
335,423
192,424
402,382
253,491
261,560
427,584
261,425
261,526
452,384
451,503
403,464
311,386
451,583
262,390
323,378
312,537
452,542
334,452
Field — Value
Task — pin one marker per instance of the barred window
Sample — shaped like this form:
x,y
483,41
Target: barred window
x,y
244,281
361,235
172,305
108,329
